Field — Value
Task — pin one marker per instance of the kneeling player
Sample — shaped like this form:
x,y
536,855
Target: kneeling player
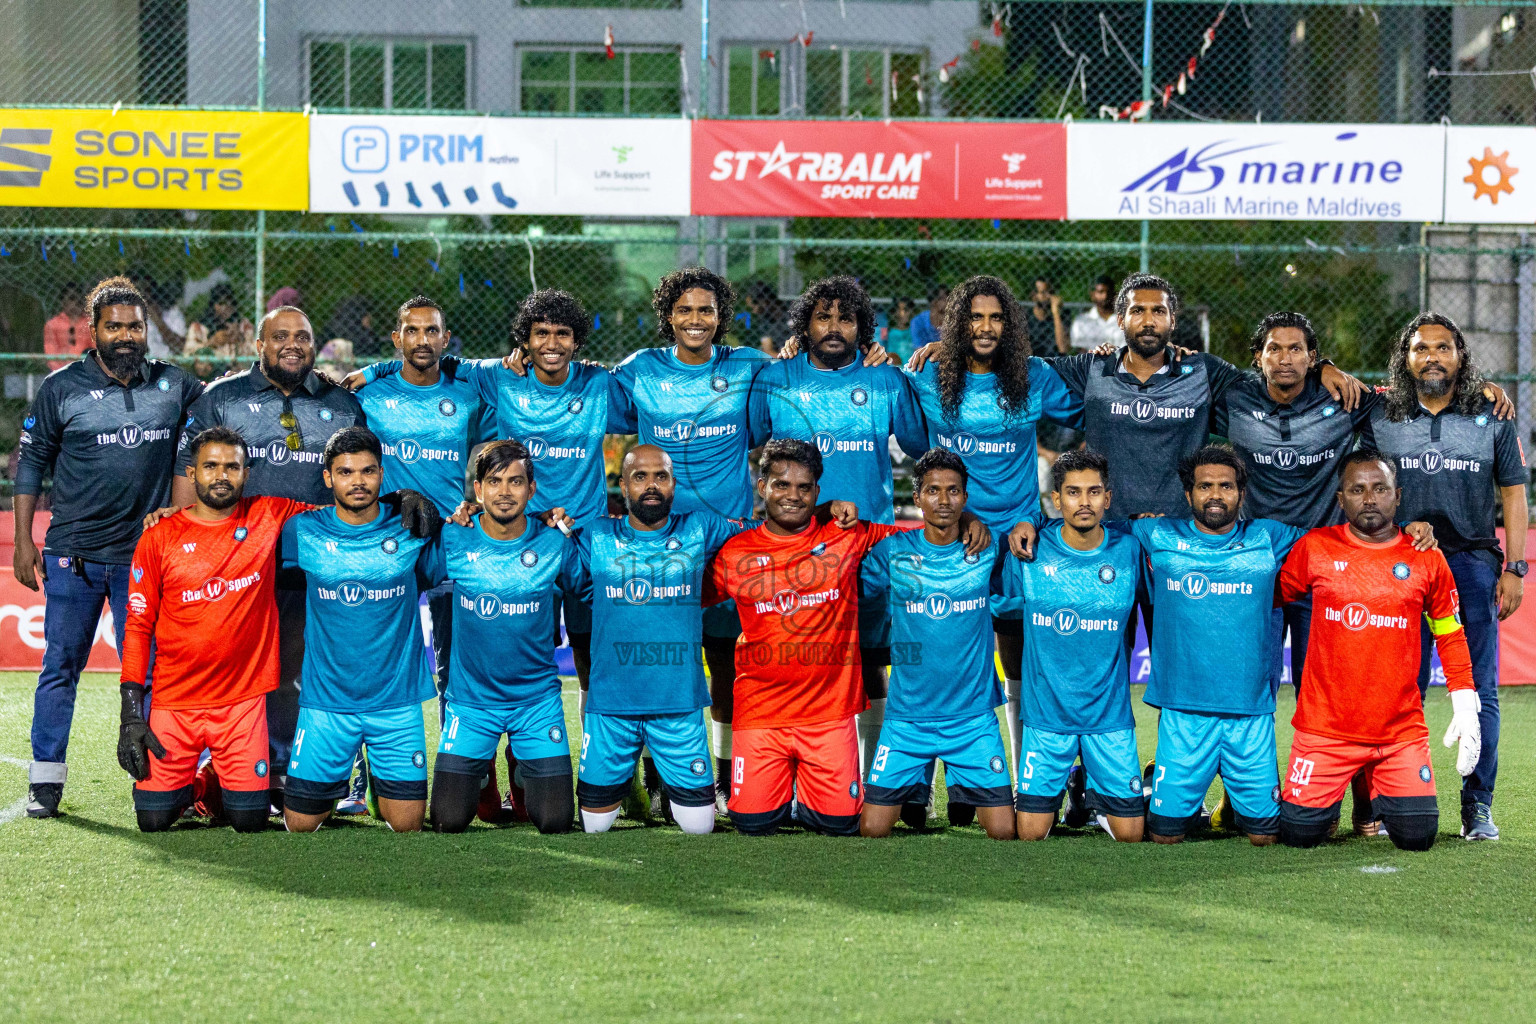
x,y
506,569
1075,698
1359,705
365,668
943,695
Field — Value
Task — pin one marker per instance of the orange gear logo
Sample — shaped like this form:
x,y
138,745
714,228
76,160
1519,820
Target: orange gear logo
x,y
1478,179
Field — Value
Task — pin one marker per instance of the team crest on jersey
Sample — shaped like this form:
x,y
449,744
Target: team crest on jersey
x,y
853,790
446,407
859,396
419,759
819,548
1482,420
673,543
996,764
554,734
719,383
390,545
1328,410
1424,773
326,414
1401,570
1136,786
971,558
1274,794
163,385
240,533
574,406
261,768
1106,574
1187,369
697,766
529,559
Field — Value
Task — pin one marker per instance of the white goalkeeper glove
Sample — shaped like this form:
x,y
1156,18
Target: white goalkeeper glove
x,y
1466,729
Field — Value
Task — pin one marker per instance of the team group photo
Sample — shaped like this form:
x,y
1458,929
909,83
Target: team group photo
x,y
857,510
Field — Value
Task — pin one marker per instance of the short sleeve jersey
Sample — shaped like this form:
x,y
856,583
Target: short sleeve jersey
x,y
941,625
1212,594
427,434
503,610
998,449
1450,466
201,593
1075,608
798,597
849,414
363,648
645,588
698,416
1368,602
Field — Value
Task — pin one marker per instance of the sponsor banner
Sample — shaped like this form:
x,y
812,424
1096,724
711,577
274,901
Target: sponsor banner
x,y
1490,175
21,631
575,166
1185,171
879,169
153,159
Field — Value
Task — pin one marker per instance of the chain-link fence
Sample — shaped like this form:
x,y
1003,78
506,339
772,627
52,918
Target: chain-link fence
x,y
1390,62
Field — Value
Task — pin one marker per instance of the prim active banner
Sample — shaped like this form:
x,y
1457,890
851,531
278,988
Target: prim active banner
x,y
153,159
431,164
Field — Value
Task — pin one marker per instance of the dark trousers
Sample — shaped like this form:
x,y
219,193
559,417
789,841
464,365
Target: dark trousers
x,y
1477,582
75,594
440,605
283,702
1295,618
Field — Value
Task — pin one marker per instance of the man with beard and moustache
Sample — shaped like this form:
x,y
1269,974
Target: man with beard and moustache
x,y
982,397
365,669
1458,467
642,576
286,413
103,427
799,682
201,593
506,569
1358,708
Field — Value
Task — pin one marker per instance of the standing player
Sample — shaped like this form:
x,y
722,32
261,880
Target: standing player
x,y
1212,580
286,413
505,569
103,427
1458,467
1077,596
642,576
795,580
365,669
1359,706
944,691
202,595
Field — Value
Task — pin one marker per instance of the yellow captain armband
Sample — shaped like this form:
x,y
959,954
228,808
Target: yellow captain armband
x,y
1440,627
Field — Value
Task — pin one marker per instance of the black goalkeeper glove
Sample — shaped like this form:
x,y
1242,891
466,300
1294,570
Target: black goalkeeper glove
x,y
417,513
134,740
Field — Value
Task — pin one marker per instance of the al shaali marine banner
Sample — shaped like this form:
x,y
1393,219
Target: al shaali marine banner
x,y
153,159
429,164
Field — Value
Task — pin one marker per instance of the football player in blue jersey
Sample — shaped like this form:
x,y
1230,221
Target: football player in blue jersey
x,y
1076,597
506,569
943,692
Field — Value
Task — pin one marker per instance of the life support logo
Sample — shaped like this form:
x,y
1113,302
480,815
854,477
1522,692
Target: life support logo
x,y
825,442
163,385
637,590
1432,461
261,768
351,593
719,384
536,446
129,435
529,559
1143,410
277,453
408,450
1285,458
859,396
241,533
555,734
390,545
786,601
446,407
937,606
683,430
419,759
1065,621
996,764
574,406
1355,616
965,443
1424,773
1106,574
1401,570
1195,585
697,766
487,606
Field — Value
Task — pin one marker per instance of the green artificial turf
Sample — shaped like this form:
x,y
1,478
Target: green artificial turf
x,y
99,922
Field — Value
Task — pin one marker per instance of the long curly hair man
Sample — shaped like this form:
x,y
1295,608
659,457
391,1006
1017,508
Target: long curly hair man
x,y
1402,395
1010,362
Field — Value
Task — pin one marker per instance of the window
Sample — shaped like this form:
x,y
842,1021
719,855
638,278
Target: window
x,y
646,5
752,80
389,74
585,81
869,83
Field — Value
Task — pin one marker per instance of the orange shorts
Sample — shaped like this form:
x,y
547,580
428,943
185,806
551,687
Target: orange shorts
x,y
815,765
235,733
1400,775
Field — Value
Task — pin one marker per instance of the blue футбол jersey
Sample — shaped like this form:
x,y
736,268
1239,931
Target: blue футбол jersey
x,y
1212,595
998,449
363,647
644,587
698,416
1075,605
427,433
503,610
941,625
850,415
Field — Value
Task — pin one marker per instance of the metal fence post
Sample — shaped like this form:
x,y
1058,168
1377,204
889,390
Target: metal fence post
x,y
1525,324
261,215
703,59
1146,97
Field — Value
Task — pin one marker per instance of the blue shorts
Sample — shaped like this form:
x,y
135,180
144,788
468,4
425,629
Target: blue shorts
x,y
1109,759
721,621
975,770
875,628
610,746
535,735
1192,749
325,744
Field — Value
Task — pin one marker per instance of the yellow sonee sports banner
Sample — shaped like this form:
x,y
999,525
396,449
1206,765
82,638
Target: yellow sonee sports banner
x,y
163,159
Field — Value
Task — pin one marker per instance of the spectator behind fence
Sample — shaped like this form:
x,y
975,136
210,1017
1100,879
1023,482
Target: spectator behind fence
x,y
1098,325
897,337
165,327
222,328
68,333
1047,329
767,317
925,326
353,320
285,296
